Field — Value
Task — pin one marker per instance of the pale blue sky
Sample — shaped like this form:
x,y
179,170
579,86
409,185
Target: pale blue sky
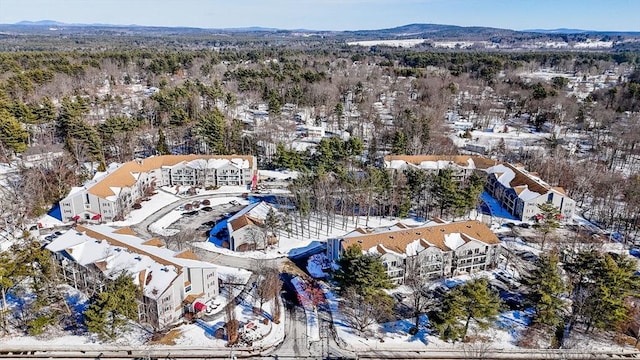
x,y
334,14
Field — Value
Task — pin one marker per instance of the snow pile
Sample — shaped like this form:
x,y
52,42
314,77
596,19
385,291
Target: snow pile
x,y
316,265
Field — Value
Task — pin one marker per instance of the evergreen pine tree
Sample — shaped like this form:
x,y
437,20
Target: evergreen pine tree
x,y
161,147
473,300
211,128
546,286
111,310
364,273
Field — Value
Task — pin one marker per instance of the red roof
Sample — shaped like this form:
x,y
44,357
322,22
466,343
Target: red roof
x,y
198,306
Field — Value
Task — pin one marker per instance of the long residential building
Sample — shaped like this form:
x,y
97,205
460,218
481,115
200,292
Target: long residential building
x,y
110,195
517,190
441,249
171,283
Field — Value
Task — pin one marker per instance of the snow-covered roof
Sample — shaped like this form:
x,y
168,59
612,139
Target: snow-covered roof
x,y
411,240
113,251
527,186
126,175
257,211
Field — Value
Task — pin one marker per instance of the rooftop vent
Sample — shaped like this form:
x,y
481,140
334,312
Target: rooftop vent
x,y
468,226
117,249
441,230
165,269
138,258
390,236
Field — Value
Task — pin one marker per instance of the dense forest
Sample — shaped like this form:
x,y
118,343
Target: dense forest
x,y
111,105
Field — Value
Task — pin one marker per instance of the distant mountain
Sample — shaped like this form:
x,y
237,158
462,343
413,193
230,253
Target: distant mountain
x,y
40,23
566,31
410,31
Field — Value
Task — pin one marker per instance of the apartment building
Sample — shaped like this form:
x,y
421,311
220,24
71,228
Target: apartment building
x,y
441,249
516,189
171,283
110,195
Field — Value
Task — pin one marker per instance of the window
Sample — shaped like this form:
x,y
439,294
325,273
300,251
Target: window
x,y
187,288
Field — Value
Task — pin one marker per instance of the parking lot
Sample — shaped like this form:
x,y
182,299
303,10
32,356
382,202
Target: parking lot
x,y
203,218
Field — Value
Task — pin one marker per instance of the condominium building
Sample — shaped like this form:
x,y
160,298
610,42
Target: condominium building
x,y
441,249
110,195
171,283
517,190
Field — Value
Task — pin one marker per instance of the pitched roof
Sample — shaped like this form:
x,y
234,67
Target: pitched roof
x,y
522,177
113,250
126,175
478,162
244,220
430,235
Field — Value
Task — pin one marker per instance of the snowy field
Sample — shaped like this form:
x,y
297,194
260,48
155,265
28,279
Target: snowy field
x,y
316,235
403,43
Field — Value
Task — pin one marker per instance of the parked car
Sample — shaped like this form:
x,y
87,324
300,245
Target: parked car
x,y
527,255
191,213
209,223
58,233
207,208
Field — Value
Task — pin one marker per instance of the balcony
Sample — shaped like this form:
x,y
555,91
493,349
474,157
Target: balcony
x,y
468,256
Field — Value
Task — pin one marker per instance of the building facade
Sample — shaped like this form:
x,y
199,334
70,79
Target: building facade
x,y
247,230
439,249
517,190
171,283
110,195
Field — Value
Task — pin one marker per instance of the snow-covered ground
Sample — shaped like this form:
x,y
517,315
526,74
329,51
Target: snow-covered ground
x,y
404,43
278,175
315,235
157,202
315,265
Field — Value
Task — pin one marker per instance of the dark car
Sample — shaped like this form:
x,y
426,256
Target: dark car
x,y
207,208
191,213
527,255
209,223
58,233
525,225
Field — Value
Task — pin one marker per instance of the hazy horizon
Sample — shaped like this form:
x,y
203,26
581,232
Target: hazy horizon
x,y
596,15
